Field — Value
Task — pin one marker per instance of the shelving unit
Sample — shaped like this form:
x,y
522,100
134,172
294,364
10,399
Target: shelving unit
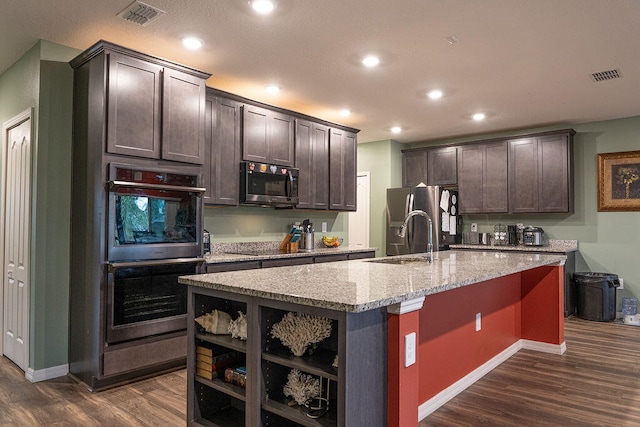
x,y
357,387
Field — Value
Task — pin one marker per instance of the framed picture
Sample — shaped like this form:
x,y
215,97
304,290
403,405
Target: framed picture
x,y
619,181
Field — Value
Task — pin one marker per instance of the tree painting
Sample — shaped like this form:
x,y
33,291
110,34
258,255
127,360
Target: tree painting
x,y
625,182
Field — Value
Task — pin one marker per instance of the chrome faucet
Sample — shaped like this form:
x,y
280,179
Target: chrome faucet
x,y
403,228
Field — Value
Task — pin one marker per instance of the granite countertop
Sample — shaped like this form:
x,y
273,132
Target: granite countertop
x,y
258,251
555,246
361,285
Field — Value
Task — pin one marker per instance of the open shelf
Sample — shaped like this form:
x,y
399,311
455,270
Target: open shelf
x,y
298,414
320,363
223,386
224,341
228,417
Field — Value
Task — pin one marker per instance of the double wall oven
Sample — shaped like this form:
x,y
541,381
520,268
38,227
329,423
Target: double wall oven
x,y
154,236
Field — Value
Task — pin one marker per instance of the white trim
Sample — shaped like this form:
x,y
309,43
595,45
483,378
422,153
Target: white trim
x,y
544,347
459,386
47,373
406,306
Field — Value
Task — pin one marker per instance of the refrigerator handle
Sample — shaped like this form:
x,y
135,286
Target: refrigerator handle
x,y
409,208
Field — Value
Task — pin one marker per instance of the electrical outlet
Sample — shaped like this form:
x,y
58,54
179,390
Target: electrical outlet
x,y
621,280
409,349
474,227
478,322
324,227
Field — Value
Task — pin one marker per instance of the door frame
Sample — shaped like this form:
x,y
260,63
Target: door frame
x,y
9,124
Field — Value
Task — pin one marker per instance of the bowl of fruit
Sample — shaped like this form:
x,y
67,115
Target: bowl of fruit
x,y
332,242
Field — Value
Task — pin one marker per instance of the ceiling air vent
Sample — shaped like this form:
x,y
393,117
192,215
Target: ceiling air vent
x,y
606,75
140,13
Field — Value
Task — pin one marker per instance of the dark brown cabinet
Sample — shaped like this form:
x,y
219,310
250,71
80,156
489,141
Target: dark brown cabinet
x,y
482,178
414,168
312,159
267,136
541,173
153,111
342,170
223,139
442,166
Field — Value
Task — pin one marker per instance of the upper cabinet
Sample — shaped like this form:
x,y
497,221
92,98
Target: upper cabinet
x,y
442,168
526,174
541,173
414,168
223,139
312,159
342,170
482,178
154,109
268,136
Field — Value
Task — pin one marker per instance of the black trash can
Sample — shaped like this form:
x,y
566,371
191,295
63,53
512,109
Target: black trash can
x,y
596,296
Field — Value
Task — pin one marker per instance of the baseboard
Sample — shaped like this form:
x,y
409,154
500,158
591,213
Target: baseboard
x,y
47,373
456,388
544,347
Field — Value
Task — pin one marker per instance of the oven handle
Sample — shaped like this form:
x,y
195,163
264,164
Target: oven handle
x,y
113,266
114,185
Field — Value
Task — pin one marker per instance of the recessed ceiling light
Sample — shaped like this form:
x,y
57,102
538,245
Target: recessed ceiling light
x,y
396,129
371,61
273,89
435,94
263,7
478,117
192,43
345,112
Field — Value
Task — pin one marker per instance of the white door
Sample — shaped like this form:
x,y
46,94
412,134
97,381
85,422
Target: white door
x,y
16,219
359,220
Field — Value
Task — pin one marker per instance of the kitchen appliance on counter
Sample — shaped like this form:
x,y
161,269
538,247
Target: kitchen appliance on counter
x,y
268,185
532,236
441,204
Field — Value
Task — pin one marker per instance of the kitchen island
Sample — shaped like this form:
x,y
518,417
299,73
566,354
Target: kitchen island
x,y
469,310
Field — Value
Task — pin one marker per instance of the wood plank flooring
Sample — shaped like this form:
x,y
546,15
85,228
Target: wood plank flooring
x,y
595,383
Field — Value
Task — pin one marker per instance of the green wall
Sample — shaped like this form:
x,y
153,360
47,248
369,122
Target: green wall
x,y
383,161
256,224
607,241
42,79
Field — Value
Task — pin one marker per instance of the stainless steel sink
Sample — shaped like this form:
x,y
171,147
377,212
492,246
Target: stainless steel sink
x,y
400,261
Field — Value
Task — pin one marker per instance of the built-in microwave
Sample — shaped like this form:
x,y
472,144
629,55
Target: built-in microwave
x,y
268,185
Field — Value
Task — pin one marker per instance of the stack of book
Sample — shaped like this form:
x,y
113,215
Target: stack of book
x,y
212,366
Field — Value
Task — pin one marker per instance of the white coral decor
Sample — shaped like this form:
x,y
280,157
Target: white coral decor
x,y
297,331
301,387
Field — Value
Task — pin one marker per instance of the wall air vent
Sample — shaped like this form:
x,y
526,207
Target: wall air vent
x,y
606,75
140,13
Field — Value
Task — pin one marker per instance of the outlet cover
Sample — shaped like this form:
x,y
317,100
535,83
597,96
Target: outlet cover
x,y
324,227
474,227
409,349
621,280
478,322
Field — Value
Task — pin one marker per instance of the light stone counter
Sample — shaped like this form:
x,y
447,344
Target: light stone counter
x,y
357,286
260,253
555,246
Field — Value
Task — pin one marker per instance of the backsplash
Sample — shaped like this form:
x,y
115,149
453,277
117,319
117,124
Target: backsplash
x,y
254,224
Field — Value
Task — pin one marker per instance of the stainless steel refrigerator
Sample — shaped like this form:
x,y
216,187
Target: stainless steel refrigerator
x,y
441,204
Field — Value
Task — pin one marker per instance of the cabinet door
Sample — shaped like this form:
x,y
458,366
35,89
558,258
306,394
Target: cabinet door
x,y
183,116
471,160
442,166
133,98
280,139
554,175
255,140
225,145
209,130
414,168
523,175
312,147
342,170
495,182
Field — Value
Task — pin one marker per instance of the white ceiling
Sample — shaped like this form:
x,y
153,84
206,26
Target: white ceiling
x,y
524,63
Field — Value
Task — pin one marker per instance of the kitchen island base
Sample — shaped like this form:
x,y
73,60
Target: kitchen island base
x,y
356,387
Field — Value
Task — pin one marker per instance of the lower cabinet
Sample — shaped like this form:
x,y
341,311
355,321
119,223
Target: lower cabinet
x,y
352,382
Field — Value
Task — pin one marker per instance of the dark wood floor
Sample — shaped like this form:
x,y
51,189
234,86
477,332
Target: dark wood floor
x,y
595,383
